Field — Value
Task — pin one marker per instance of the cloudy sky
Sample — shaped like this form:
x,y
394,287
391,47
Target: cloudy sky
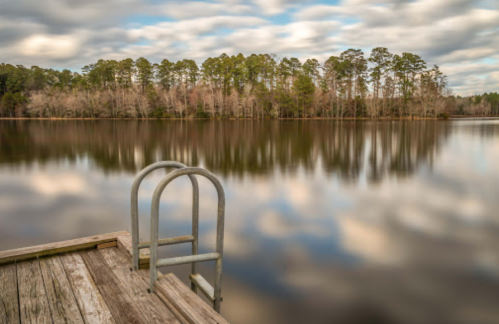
x,y
461,36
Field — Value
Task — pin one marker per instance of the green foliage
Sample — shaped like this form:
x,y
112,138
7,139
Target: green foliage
x,y
165,73
262,95
125,71
311,69
12,103
239,71
406,68
285,102
160,112
145,72
13,78
304,88
8,104
444,115
202,114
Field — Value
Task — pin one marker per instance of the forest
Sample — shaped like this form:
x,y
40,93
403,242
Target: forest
x,y
257,86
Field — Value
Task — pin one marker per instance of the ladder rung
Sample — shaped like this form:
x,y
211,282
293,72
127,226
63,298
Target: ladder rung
x,y
203,285
187,259
168,241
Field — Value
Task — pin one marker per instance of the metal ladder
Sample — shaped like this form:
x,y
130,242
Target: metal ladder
x,y
197,281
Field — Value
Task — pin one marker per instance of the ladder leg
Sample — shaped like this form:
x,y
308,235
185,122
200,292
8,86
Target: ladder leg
x,y
154,240
195,227
218,285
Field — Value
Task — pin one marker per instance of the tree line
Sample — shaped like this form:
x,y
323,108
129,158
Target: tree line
x,y
257,86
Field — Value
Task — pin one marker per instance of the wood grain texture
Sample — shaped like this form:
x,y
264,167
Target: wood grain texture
x,y
62,302
125,244
118,301
106,245
135,283
33,302
9,307
191,306
90,302
58,247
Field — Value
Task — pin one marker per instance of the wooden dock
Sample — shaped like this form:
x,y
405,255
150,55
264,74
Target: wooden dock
x,y
89,280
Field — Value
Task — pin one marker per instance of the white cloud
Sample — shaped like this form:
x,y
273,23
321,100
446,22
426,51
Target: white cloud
x,y
51,46
303,38
468,54
197,9
60,184
274,7
273,224
188,30
369,241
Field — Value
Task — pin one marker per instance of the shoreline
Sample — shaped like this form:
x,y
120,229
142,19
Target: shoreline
x,y
252,119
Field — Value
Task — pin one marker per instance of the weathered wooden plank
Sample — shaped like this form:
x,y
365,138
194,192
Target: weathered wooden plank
x,y
107,245
58,247
90,302
62,302
34,306
193,308
135,283
119,302
9,307
125,244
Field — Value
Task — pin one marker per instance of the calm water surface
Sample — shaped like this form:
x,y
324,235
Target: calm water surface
x,y
326,221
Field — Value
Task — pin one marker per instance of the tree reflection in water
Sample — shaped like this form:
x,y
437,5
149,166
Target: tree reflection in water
x,y
230,147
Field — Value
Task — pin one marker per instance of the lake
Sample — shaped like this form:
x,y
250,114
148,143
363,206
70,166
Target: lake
x,y
326,221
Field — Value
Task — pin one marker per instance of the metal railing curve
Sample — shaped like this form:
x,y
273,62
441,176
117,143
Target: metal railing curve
x,y
136,245
213,293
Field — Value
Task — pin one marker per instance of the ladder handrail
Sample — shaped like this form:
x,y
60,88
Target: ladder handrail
x,y
220,228
135,209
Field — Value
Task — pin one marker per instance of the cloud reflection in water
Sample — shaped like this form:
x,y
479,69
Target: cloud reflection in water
x,y
351,222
